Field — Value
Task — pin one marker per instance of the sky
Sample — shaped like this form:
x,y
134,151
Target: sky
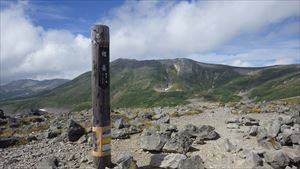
x,y
45,39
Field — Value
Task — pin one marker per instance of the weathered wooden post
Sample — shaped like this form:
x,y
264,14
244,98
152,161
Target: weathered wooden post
x,y
100,96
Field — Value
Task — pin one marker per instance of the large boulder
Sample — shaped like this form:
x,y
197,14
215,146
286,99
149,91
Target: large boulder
x,y
126,162
277,159
8,141
179,143
253,159
207,132
194,162
273,128
153,141
75,131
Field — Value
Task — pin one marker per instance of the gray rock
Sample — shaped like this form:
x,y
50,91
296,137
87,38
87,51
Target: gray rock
x,y
273,128
277,159
75,131
253,159
191,129
194,162
232,120
120,133
48,163
293,154
2,115
164,119
179,143
126,162
8,141
120,123
232,126
229,147
3,122
253,130
172,161
51,133
153,141
295,138
31,138
208,132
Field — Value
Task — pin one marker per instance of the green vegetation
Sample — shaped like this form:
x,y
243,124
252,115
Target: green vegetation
x,y
170,82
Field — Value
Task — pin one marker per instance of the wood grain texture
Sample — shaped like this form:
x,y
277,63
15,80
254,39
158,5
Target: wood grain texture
x,y
100,90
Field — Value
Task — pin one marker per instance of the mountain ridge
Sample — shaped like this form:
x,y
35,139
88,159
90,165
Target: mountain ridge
x,y
170,82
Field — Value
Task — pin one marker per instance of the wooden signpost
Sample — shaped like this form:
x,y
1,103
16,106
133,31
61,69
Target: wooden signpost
x,y
100,96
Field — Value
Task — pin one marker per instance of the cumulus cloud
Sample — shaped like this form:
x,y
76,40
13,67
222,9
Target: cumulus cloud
x,y
30,51
153,29
201,30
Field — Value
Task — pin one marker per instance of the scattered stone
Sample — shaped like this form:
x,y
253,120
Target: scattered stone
x,y
172,161
232,120
229,147
52,133
253,130
48,163
194,162
75,131
153,141
120,133
126,162
253,159
8,141
293,154
233,126
179,143
121,123
277,159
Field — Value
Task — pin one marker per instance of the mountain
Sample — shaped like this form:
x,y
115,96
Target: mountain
x,y
28,87
170,82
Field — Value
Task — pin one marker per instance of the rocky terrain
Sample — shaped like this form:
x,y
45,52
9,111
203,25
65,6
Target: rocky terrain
x,y
194,136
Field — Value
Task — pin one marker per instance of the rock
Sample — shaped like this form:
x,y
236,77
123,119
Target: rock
x,y
120,133
232,126
253,159
229,147
172,161
179,143
126,163
121,123
153,141
248,121
83,139
293,154
53,133
232,120
48,163
3,122
2,115
191,129
295,138
31,138
206,132
14,122
146,115
273,128
75,131
277,159
164,119
194,162
253,130
8,141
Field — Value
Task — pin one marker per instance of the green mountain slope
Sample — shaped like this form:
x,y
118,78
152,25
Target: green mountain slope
x,y
171,82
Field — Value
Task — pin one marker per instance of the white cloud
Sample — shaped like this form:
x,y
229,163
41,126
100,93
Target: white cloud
x,y
150,29
29,51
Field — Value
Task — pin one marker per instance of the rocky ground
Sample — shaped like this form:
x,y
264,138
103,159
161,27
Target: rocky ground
x,y
198,135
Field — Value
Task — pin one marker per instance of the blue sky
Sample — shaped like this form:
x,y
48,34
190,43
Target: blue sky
x,y
54,35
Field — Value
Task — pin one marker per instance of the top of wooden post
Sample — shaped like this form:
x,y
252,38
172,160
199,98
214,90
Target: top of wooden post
x,y
100,34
